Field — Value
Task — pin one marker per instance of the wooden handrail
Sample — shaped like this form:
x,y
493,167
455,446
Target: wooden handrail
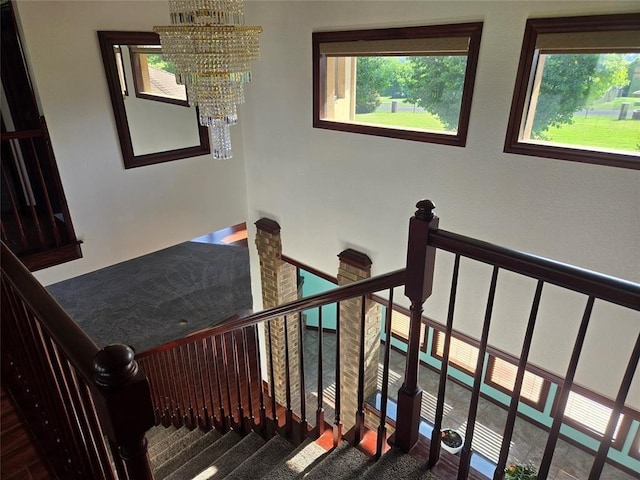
x,y
363,287
19,134
70,338
611,289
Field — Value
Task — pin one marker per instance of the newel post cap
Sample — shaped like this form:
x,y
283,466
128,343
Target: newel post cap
x,y
114,366
425,210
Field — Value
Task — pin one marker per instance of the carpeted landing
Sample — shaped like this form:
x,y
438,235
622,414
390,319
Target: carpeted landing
x,y
180,454
159,297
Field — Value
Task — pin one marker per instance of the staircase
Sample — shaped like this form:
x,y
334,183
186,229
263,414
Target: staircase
x,y
181,454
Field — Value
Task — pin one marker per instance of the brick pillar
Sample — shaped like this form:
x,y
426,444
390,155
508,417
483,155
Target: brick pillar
x,y
356,266
279,285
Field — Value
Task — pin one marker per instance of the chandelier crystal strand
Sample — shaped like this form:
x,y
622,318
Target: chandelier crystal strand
x,y
212,51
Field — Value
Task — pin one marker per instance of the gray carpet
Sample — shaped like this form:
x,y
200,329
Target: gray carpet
x,y
159,297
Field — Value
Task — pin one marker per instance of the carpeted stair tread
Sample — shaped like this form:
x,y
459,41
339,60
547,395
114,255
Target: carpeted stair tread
x,y
186,454
221,466
261,462
203,459
176,447
155,431
344,462
167,441
297,462
396,465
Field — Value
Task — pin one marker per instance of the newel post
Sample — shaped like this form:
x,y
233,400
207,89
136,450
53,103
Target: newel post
x,y
123,401
420,267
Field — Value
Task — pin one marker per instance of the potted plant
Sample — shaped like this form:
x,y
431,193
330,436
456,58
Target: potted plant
x,y
519,471
451,440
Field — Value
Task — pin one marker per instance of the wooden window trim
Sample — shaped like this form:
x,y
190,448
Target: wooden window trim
x,y
471,30
434,352
634,451
521,91
544,392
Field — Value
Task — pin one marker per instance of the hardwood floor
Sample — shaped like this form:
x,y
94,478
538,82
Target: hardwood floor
x,y
19,458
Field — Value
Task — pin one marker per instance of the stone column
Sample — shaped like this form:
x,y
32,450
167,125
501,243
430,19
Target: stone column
x,y
279,285
356,266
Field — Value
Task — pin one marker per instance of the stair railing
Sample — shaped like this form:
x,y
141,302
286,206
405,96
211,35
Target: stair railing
x,y
71,393
230,392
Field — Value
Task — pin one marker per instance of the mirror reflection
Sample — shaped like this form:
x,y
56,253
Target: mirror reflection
x,y
154,120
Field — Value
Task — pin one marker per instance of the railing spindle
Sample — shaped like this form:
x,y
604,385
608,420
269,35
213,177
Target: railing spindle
x,y
223,418
303,390
14,206
320,408
46,195
337,423
465,454
225,363
207,362
287,380
258,365
382,428
517,387
359,426
554,432
251,423
272,383
607,437
434,452
242,421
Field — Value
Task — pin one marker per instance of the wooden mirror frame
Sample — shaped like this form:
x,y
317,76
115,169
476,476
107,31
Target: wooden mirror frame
x,y
107,41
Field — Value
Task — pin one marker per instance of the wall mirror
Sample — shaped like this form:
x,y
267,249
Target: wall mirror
x,y
154,120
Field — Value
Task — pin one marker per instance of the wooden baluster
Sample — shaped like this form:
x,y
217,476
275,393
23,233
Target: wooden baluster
x,y
434,449
205,387
554,432
382,428
303,390
45,193
242,421
420,266
359,426
186,382
605,443
14,207
337,423
517,387
123,388
30,201
319,430
225,363
251,423
465,454
175,377
287,381
272,384
224,425
192,373
263,410
209,365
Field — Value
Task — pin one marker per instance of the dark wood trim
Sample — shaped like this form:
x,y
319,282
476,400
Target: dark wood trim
x,y
268,225
610,289
626,21
355,259
107,40
20,134
54,256
161,99
459,139
307,268
544,391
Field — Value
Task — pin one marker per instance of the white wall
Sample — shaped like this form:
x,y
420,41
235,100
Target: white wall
x,y
332,190
118,213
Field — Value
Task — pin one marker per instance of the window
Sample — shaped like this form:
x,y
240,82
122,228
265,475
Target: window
x,y
154,77
400,326
502,376
634,451
412,83
591,417
461,353
577,93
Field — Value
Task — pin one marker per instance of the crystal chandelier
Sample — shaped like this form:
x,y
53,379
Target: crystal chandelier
x,y
212,51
